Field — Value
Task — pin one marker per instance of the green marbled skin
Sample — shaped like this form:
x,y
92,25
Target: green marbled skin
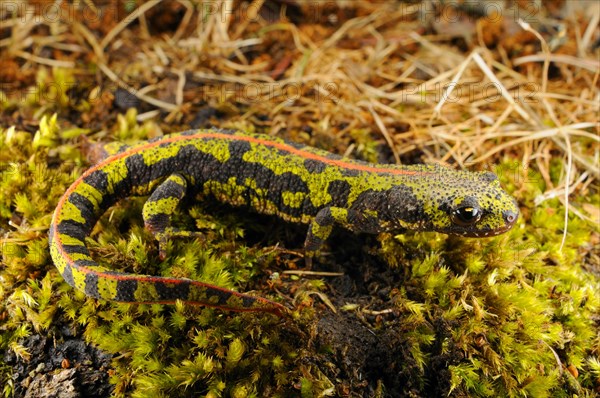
x,y
296,183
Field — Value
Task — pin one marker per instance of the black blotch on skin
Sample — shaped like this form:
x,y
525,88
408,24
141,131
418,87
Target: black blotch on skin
x,y
237,148
85,263
247,302
137,174
85,207
91,285
402,204
173,291
72,229
110,194
98,179
339,190
126,289
201,166
76,249
314,166
68,275
290,182
368,200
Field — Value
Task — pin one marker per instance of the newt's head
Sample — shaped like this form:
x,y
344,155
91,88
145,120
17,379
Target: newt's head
x,y
453,202
486,210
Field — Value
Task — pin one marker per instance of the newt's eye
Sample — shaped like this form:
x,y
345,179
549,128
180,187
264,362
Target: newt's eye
x,y
465,216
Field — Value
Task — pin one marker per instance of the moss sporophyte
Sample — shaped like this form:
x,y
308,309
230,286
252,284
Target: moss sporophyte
x,y
297,183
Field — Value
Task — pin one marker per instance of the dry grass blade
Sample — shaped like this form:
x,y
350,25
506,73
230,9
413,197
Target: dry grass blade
x,y
589,64
45,61
126,21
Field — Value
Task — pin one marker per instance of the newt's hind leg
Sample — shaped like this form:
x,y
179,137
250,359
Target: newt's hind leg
x,y
159,208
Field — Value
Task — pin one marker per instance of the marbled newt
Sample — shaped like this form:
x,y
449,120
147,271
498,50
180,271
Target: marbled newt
x,y
271,176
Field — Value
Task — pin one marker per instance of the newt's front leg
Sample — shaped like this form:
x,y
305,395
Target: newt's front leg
x,y
159,209
320,229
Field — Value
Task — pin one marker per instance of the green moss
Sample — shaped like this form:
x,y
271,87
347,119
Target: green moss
x,y
366,147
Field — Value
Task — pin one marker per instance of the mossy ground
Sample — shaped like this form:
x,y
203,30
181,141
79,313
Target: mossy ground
x,y
420,314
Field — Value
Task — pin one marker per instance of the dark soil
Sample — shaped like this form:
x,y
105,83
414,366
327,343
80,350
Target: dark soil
x,y
66,369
